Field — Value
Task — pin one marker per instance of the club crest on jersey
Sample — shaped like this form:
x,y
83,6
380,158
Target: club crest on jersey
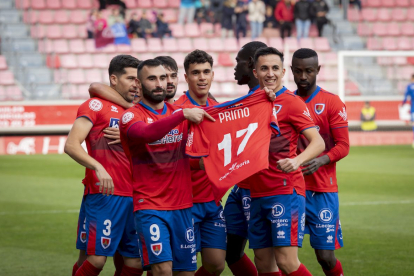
x,y
277,108
319,108
95,105
114,122
82,236
105,242
127,117
189,235
156,248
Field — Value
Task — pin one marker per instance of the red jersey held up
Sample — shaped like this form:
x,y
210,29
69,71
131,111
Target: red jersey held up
x,y
329,114
105,114
235,146
293,117
160,169
202,191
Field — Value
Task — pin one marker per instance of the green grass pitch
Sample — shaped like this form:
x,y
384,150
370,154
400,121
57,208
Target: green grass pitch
x,y
40,197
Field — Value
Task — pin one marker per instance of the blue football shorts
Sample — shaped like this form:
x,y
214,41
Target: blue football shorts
x,y
237,211
81,232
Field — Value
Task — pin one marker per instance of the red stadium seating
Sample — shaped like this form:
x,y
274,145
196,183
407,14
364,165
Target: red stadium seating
x,y
225,59
207,29
368,15
405,43
154,45
383,15
407,29
220,74
123,49
60,46
201,44
410,14
69,4
78,17
364,29
231,45
38,4
53,4
354,15
100,61
389,44
177,30
131,4
379,29
374,43
393,28
54,31
85,61
185,45
170,15
93,75
61,17
291,43
71,31
398,14
46,17
388,3
402,3
37,31
373,3
109,49
307,43
84,4
160,4
145,4
170,45
192,30
174,3
322,44
22,4
216,44
6,78
3,63
276,42
68,61
139,45
76,76
77,46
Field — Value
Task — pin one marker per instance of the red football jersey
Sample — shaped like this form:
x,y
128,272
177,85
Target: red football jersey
x,y
293,117
202,191
105,114
328,112
235,146
161,169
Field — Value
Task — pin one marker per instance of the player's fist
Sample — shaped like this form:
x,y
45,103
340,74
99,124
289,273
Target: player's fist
x,y
288,165
106,184
270,94
196,115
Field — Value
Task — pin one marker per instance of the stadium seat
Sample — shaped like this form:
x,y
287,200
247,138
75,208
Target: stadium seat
x,y
393,29
14,93
22,4
30,17
379,29
383,15
192,30
231,45
123,49
322,44
170,45
54,31
60,46
228,89
100,61
170,15
76,76
384,60
179,58
131,4
216,44
78,17
37,31
364,29
38,4
6,78
224,59
177,30
45,46
402,3
276,42
46,17
160,4
368,15
3,94
354,15
84,4
138,45
83,92
399,60
201,44
407,29
174,3
220,74
410,14
306,43
374,43
388,3
93,75
389,44
373,3
85,61
145,4
207,29
398,14
61,17
405,43
68,61
53,4
185,45
69,4
3,63
110,48
330,58
154,45
77,46
291,43
70,31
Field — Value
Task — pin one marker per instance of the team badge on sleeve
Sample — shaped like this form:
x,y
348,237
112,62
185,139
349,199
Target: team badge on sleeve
x,y
95,105
319,108
156,248
127,117
105,242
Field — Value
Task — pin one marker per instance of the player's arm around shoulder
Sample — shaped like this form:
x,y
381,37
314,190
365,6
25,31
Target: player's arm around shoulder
x,y
105,92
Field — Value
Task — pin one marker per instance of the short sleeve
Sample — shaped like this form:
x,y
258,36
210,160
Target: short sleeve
x,y
337,114
197,143
90,109
273,122
299,115
128,118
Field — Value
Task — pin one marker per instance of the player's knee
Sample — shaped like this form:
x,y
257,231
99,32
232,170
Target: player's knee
x,y
326,258
215,268
97,261
162,269
133,262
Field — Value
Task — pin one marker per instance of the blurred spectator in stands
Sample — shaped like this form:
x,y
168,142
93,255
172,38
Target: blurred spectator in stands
x,y
302,12
216,10
90,23
270,20
187,10
284,15
241,10
353,3
368,118
145,26
120,33
162,26
227,25
102,4
257,12
201,13
115,17
133,25
102,34
319,11
121,6
271,3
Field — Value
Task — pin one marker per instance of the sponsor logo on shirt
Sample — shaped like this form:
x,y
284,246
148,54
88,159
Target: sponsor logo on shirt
x,y
343,114
114,109
194,261
105,242
221,216
278,210
190,139
325,215
302,222
156,248
95,105
330,239
127,117
246,202
150,120
189,235
114,122
234,114
174,136
234,167
281,234
234,106
319,108
280,222
306,113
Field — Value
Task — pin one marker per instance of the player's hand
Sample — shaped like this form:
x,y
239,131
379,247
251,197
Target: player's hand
x,y
201,162
106,184
270,94
112,133
196,115
288,165
313,165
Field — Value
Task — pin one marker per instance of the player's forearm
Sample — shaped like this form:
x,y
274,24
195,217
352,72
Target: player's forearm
x,y
341,148
315,147
147,133
77,153
105,92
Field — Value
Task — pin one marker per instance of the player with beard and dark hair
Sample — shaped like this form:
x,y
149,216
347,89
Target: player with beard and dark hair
x,y
322,204
154,134
171,69
237,208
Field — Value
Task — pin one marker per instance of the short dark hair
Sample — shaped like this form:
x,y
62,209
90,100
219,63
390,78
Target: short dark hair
x,y
265,52
168,62
303,53
120,62
197,56
150,63
249,49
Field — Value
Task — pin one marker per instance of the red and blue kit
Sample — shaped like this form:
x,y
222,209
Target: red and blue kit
x,y
322,204
278,198
106,223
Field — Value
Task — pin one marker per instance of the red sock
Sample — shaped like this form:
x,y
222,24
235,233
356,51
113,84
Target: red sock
x,y
243,267
270,274
75,268
336,271
131,271
87,269
302,271
202,272
149,273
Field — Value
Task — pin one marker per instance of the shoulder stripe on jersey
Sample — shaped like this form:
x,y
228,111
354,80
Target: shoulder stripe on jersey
x,y
254,89
196,156
233,101
86,118
273,125
192,100
339,127
313,94
307,128
281,91
164,110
